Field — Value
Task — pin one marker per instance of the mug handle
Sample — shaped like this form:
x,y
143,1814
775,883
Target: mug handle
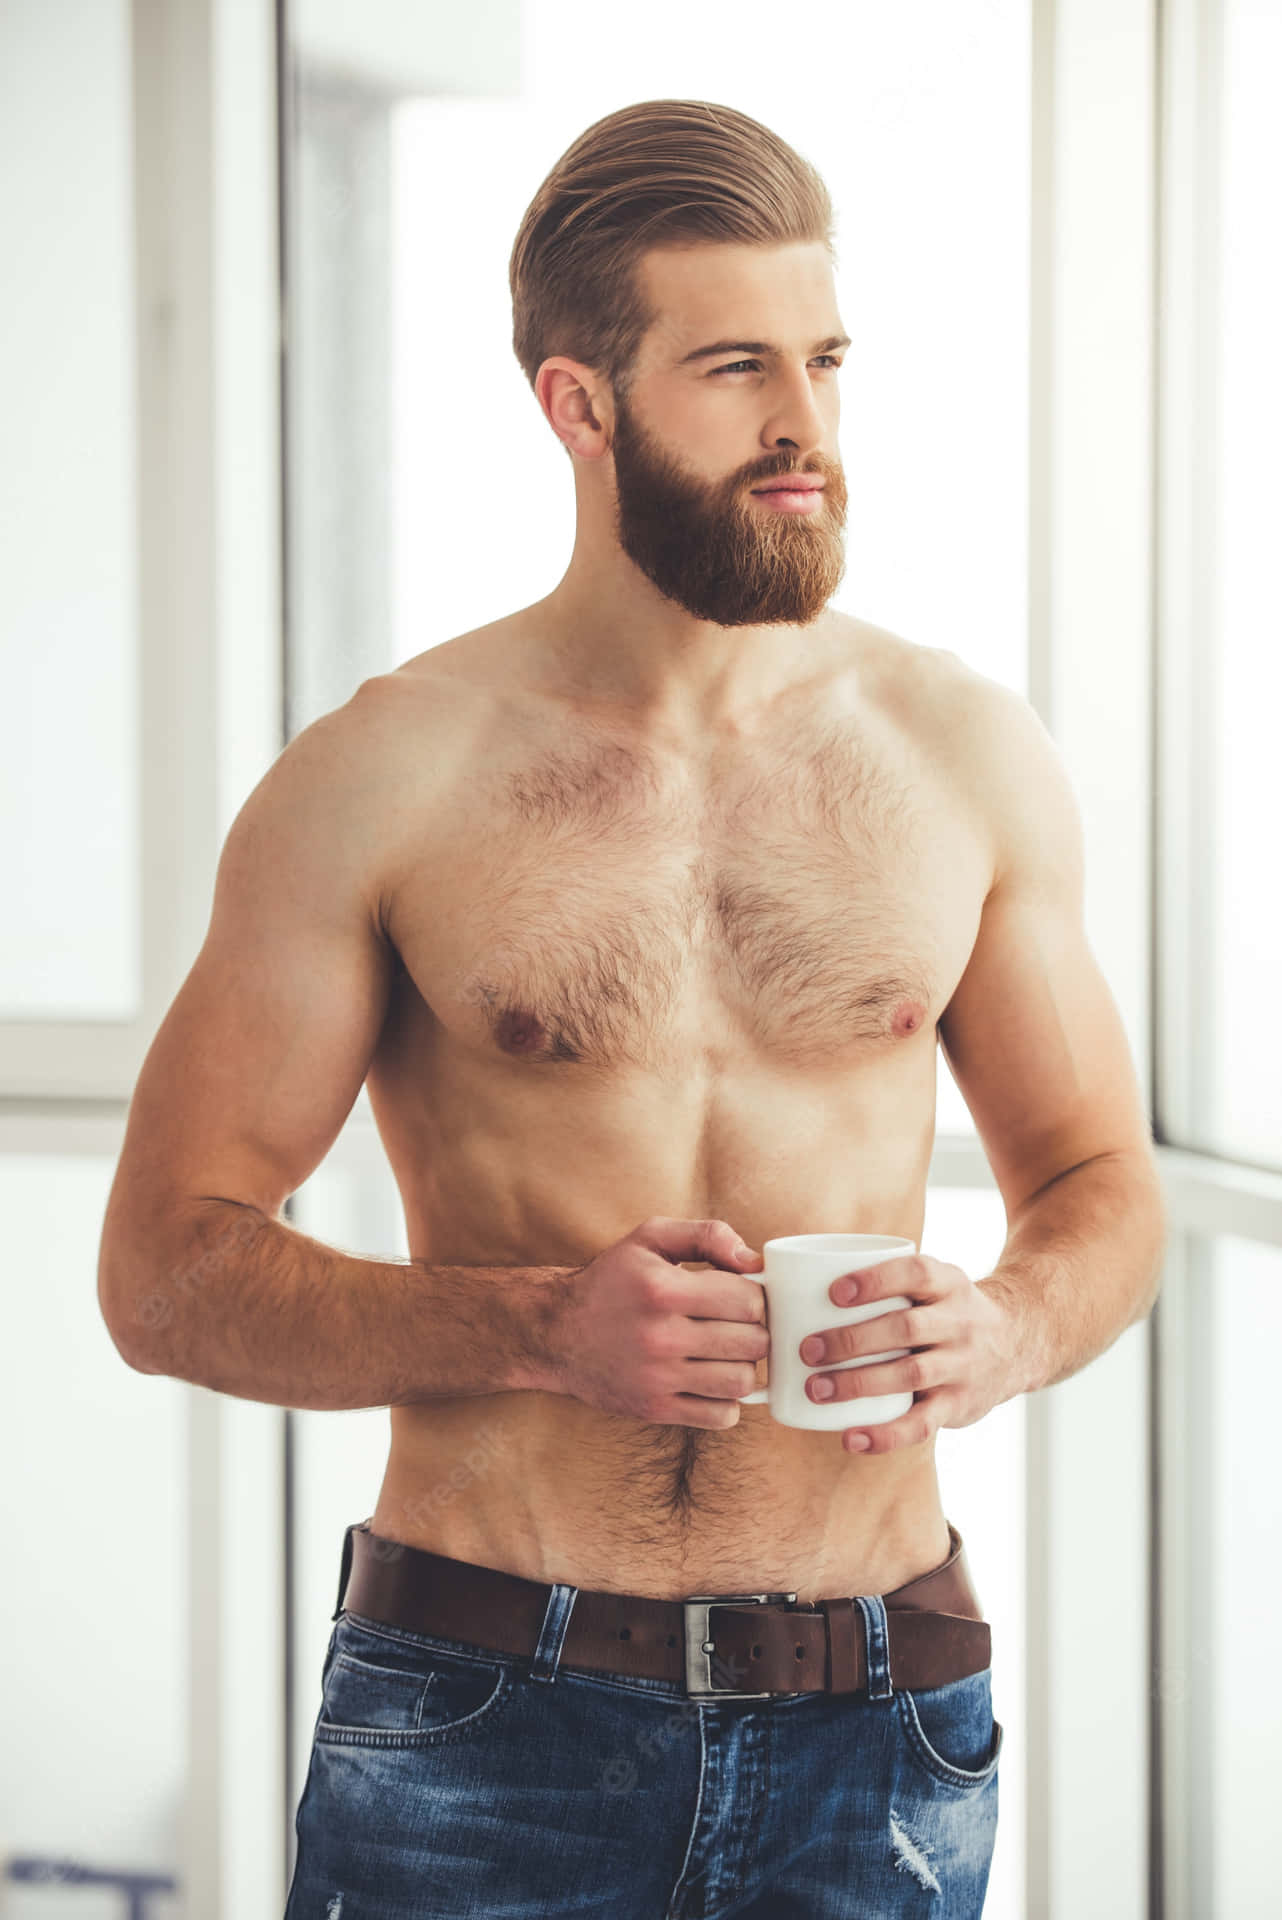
x,y
759,1395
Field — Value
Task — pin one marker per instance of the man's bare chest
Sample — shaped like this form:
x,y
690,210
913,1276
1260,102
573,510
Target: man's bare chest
x,y
579,899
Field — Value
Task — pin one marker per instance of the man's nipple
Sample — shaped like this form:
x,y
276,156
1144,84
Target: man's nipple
x,y
517,1030
909,1016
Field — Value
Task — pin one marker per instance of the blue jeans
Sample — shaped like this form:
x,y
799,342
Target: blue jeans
x,y
447,1780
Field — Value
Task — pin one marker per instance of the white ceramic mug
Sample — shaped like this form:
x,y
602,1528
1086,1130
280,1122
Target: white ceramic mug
x,y
798,1271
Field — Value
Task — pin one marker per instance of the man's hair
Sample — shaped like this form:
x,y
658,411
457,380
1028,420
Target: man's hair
x,y
657,173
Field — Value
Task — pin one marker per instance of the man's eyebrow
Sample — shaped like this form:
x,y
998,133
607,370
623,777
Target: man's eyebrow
x,y
757,346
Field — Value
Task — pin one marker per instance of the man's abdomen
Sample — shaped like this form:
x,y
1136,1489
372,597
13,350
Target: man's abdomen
x,y
542,1485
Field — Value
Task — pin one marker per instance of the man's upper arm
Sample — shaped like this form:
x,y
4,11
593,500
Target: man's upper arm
x,y
1033,1034
261,1055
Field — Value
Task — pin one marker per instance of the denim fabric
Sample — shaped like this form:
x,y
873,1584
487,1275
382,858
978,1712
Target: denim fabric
x,y
446,1780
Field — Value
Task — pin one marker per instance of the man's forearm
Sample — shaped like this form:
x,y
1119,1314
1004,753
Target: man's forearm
x,y
247,1305
1082,1263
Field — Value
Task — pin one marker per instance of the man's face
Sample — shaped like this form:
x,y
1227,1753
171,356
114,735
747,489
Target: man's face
x,y
694,439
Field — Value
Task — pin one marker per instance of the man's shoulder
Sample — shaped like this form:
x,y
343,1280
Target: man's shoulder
x,y
458,694
433,701
963,708
970,727
478,660
1002,757
386,757
920,684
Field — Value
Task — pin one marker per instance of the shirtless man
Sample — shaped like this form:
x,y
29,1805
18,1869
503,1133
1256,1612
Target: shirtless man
x,y
641,912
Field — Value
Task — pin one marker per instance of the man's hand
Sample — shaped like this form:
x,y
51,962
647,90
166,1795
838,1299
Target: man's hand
x,y
962,1340
633,1333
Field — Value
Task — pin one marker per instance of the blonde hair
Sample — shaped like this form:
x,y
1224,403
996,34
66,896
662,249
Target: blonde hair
x,y
658,173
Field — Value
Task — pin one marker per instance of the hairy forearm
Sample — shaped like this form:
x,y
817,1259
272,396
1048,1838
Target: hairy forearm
x,y
1082,1263
247,1305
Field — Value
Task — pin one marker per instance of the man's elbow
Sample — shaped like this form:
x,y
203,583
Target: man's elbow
x,y
132,1318
129,1344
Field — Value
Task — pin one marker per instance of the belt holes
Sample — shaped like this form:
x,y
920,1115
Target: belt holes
x,y
672,1639
756,1653
801,1652
625,1633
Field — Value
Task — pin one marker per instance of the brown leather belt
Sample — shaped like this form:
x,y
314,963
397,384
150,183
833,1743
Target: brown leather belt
x,y
731,1646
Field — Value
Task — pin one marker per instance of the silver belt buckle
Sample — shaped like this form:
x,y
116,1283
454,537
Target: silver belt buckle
x,y
700,1645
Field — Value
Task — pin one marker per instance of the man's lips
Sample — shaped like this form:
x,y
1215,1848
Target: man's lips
x,y
797,484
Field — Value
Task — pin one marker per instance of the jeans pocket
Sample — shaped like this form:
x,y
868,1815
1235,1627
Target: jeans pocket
x,y
386,1687
951,1730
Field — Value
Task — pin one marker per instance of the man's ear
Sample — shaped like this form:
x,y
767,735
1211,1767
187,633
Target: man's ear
x,y
577,405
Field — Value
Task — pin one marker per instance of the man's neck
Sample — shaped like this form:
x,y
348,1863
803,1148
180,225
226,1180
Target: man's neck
x,y
659,668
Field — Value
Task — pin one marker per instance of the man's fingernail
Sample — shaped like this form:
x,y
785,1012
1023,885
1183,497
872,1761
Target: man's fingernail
x,y
845,1291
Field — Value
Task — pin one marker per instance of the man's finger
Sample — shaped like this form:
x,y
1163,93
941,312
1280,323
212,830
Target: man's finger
x,y
905,1327
910,1430
905,1373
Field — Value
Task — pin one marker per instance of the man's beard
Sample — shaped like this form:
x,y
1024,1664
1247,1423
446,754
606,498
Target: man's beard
x,y
711,550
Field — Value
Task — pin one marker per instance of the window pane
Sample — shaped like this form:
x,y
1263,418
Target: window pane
x,y
68,736
1237,1704
93,1662
338,394
1242,935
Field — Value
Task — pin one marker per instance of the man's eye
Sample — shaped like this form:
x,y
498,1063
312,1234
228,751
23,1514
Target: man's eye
x,y
735,365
